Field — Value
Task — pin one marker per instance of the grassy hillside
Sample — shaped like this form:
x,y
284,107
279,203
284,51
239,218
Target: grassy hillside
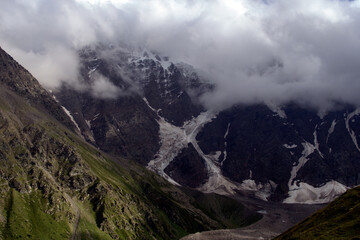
x,y
54,185
339,220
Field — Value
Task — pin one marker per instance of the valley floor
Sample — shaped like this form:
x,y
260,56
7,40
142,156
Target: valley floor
x,y
278,217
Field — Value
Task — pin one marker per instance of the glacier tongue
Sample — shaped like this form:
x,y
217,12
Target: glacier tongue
x,y
308,149
174,139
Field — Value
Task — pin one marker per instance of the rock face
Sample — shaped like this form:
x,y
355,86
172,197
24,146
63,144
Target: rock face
x,y
188,168
285,154
299,147
54,185
18,79
125,125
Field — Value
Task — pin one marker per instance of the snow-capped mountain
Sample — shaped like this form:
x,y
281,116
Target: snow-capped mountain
x,y
150,112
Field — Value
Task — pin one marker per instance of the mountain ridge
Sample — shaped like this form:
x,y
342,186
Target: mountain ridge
x,y
54,185
277,153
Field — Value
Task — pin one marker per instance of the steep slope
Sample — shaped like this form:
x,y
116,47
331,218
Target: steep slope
x,y
288,153
18,79
339,220
125,126
54,185
121,125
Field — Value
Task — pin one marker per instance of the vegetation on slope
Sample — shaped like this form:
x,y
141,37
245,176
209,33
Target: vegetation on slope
x,y
339,220
54,185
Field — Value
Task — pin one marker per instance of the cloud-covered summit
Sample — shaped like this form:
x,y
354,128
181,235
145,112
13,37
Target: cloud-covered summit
x,y
253,50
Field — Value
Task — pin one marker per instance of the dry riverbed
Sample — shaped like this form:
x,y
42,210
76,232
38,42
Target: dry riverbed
x,y
277,218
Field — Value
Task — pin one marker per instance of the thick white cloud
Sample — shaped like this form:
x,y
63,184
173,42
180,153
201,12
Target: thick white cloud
x,y
53,65
102,87
253,50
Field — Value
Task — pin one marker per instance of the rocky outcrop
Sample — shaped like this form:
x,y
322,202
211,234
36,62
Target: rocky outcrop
x,y
123,127
127,125
18,79
188,168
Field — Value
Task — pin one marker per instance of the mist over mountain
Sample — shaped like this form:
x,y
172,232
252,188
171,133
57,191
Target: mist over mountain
x,y
254,100
275,51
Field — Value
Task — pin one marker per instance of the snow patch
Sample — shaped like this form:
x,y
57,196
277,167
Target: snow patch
x,y
331,130
95,117
304,193
261,191
308,149
215,156
225,155
227,131
316,142
91,71
262,212
225,144
71,117
148,104
88,123
276,109
351,132
181,93
54,97
307,194
290,146
148,55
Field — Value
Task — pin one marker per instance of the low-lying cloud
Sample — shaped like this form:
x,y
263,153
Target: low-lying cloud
x,y
102,87
254,51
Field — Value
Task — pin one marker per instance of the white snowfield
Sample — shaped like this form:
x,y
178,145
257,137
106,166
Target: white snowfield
x,y
174,139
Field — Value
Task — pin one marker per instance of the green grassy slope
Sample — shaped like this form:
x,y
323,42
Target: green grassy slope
x,y
339,220
54,185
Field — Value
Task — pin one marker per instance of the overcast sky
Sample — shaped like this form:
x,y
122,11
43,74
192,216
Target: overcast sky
x,y
255,51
